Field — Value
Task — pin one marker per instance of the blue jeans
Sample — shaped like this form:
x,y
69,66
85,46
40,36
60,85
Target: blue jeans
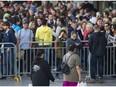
x,y
47,51
59,62
8,61
46,55
93,66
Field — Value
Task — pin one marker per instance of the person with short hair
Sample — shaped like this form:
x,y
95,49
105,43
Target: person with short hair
x,y
41,72
44,36
59,49
97,45
72,27
108,30
60,25
73,62
108,55
9,59
73,40
16,25
87,32
25,36
100,24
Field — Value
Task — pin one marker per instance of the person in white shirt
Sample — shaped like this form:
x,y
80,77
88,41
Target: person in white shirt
x,y
93,20
55,32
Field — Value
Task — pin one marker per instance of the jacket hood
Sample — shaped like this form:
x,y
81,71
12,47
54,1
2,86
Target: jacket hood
x,y
45,29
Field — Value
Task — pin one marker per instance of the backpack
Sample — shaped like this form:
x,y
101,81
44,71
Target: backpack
x,y
65,67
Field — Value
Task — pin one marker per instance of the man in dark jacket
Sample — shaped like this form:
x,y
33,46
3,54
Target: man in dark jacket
x,y
72,27
9,40
97,44
41,72
74,40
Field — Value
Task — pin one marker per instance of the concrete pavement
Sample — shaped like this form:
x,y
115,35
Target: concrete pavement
x,y
108,81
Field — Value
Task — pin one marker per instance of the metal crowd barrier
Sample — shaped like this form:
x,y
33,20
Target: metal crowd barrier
x,y
12,63
25,62
110,61
51,57
8,60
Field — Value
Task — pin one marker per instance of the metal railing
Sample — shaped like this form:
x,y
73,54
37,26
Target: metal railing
x,y
15,66
8,59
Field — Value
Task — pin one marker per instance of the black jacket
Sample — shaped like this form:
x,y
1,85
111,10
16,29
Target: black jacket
x,y
70,41
9,37
1,36
41,73
97,43
80,34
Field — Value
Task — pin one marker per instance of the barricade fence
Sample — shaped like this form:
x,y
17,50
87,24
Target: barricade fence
x,y
8,61
15,61
51,56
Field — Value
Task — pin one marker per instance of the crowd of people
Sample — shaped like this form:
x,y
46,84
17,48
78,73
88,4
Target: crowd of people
x,y
44,22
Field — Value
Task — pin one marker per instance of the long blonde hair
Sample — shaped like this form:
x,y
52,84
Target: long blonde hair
x,y
30,24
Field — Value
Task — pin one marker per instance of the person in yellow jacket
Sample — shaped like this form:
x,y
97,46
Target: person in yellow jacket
x,y
44,34
44,37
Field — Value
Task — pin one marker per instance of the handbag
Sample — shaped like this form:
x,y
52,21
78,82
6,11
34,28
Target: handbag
x,y
21,54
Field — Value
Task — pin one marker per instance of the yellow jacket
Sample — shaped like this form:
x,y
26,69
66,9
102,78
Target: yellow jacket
x,y
44,35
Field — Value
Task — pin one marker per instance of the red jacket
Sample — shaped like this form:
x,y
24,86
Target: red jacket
x,y
85,36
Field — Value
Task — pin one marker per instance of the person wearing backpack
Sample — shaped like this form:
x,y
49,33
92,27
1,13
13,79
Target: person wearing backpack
x,y
25,36
72,60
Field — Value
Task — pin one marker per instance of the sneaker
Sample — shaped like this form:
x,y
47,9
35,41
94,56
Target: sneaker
x,y
91,81
100,80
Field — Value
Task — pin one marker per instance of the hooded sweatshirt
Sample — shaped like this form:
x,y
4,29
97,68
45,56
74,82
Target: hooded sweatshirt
x,y
44,35
41,73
